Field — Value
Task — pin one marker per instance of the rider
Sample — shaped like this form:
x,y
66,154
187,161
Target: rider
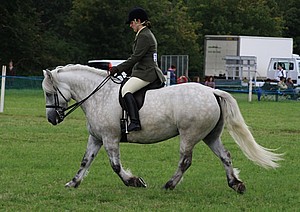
x,y
142,64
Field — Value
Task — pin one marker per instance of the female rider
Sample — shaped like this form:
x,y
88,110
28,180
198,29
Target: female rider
x,y
142,64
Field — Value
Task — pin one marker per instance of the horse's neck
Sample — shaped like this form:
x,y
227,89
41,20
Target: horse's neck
x,y
83,83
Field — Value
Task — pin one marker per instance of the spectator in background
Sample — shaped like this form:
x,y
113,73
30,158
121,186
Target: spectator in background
x,y
267,85
210,82
172,71
289,83
280,72
182,79
11,73
281,84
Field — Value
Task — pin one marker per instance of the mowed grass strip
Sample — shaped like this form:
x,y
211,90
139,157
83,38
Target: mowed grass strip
x,y
37,159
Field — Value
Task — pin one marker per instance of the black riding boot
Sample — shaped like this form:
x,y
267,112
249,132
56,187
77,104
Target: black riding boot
x,y
133,112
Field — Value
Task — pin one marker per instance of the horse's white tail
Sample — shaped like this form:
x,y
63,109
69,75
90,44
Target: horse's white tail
x,y
241,134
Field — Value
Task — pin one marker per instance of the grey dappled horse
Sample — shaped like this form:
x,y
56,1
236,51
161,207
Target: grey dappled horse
x,y
191,110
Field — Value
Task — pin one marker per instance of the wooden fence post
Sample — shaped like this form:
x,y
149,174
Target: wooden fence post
x,y
2,89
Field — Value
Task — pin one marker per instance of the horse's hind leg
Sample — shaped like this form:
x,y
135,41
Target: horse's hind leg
x,y
184,163
92,150
232,174
186,153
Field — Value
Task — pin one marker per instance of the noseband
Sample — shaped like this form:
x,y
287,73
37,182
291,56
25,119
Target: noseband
x,y
61,110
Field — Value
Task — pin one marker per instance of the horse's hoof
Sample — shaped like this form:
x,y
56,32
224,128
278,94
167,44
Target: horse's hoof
x,y
142,183
169,185
72,184
240,188
136,182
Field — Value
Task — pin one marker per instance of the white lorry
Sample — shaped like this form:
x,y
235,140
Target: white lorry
x,y
218,47
291,65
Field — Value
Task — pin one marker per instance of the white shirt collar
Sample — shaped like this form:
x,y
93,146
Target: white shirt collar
x,y
139,31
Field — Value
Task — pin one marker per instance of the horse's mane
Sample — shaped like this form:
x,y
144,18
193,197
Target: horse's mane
x,y
79,67
48,84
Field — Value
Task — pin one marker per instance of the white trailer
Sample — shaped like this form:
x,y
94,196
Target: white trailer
x,y
218,47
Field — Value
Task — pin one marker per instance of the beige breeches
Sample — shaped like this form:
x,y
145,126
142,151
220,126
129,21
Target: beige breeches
x,y
133,84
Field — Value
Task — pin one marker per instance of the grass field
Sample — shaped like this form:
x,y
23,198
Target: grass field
x,y
37,159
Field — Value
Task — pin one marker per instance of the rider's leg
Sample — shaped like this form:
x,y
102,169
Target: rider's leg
x,y
132,85
133,112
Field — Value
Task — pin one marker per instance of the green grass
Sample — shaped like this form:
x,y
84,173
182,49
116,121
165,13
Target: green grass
x,y
37,159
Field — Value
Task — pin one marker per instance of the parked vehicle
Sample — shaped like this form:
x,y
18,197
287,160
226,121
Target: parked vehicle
x,y
291,65
218,47
104,64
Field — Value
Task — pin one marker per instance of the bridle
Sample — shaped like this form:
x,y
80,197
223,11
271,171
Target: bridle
x,y
61,110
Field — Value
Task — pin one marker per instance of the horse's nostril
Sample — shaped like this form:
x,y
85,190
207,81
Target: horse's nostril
x,y
52,121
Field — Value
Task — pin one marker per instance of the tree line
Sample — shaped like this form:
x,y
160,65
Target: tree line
x,y
39,34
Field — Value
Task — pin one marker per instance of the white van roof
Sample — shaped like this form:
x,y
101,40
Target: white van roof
x,y
113,62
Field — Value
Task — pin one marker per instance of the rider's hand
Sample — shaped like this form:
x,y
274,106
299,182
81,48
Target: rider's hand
x,y
114,70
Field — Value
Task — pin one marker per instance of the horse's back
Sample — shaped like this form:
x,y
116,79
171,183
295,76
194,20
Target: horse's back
x,y
183,98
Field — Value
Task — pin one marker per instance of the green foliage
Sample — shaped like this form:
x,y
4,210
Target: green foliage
x,y
20,37
235,17
291,14
99,27
239,17
37,34
56,48
37,159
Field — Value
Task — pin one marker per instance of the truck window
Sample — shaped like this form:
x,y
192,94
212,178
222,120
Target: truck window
x,y
283,65
291,66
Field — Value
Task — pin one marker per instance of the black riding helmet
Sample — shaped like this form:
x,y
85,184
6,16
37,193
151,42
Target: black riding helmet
x,y
137,13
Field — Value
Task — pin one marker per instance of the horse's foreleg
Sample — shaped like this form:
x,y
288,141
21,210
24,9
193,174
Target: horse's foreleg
x,y
128,179
232,174
92,150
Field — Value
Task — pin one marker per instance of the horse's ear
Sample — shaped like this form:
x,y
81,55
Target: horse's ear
x,y
48,74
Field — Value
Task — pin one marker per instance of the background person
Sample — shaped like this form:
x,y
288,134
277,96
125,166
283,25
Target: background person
x,y
172,71
210,82
11,73
281,84
290,83
280,73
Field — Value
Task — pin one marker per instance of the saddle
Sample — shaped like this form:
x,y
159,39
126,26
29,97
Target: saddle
x,y
140,94
139,98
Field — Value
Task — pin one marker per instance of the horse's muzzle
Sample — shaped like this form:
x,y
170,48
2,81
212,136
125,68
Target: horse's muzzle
x,y
55,116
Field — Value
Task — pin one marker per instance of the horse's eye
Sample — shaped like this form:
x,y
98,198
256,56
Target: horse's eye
x,y
48,94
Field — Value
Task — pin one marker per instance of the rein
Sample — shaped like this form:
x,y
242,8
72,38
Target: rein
x,y
61,110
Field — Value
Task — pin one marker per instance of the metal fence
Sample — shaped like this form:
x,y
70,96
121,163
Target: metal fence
x,y
180,61
21,82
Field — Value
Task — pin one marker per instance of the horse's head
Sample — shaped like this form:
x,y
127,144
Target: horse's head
x,y
57,96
